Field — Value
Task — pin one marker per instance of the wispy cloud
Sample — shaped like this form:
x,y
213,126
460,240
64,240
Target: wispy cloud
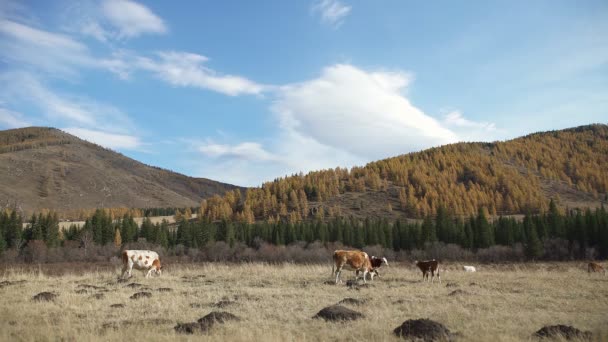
x,y
106,139
131,19
11,119
63,56
332,12
245,151
455,119
187,70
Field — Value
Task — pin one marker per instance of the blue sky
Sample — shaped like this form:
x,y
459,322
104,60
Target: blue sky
x,y
247,91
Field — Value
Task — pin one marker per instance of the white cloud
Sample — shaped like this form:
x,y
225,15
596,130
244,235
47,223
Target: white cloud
x,y
11,119
359,112
187,70
130,18
455,119
245,150
332,12
60,109
105,139
55,53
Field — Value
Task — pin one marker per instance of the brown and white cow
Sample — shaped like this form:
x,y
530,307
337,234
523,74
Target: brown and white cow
x,y
595,268
140,260
429,266
376,263
351,260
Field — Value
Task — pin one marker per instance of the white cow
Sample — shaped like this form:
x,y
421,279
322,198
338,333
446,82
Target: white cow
x,y
140,260
469,268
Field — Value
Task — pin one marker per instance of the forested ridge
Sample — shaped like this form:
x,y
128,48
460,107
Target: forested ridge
x,y
513,177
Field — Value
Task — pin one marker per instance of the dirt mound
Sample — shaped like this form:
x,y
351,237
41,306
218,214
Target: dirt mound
x,y
338,313
205,323
563,331
458,292
81,291
164,289
134,285
329,282
98,296
139,295
450,284
196,305
423,329
44,297
352,301
117,306
474,284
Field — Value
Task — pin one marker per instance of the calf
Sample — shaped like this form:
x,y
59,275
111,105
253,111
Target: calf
x,y
469,268
140,260
429,266
351,260
595,267
375,263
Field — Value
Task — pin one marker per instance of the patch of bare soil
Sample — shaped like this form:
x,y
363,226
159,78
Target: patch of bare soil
x,y
205,323
44,297
562,331
450,284
338,313
98,296
424,329
117,306
139,295
457,293
164,289
134,285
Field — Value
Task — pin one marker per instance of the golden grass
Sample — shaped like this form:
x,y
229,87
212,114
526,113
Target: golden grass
x,y
276,303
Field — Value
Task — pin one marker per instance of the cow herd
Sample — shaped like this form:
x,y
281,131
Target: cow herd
x,y
357,261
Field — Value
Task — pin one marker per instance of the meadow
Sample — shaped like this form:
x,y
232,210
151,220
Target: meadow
x,y
506,302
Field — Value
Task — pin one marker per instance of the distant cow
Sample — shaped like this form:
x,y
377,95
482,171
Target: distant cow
x,y
140,260
469,268
595,267
429,266
351,260
376,263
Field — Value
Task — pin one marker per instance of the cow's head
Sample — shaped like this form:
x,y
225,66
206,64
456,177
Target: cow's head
x,y
158,268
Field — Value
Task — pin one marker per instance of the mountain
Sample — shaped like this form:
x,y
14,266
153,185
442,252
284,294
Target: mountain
x,y
48,168
506,178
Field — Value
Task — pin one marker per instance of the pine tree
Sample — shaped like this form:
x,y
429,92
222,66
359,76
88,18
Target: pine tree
x,y
533,247
484,238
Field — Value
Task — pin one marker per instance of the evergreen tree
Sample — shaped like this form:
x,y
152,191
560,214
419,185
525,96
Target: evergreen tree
x,y
484,237
533,247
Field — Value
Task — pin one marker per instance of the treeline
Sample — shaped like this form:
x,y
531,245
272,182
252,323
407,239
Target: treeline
x,y
552,235
504,177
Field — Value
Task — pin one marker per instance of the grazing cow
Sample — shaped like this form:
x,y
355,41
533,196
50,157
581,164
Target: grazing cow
x,y
595,267
140,260
351,260
429,266
376,263
469,268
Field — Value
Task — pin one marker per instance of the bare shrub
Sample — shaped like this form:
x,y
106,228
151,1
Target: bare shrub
x,y
556,249
499,254
35,251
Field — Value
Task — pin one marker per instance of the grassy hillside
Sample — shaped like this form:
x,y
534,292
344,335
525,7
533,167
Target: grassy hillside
x,y
47,168
511,177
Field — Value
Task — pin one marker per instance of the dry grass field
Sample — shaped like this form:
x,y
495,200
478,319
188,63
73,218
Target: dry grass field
x,y
277,302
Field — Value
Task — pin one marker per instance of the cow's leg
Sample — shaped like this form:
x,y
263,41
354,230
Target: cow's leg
x,y
364,276
149,272
125,269
338,271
